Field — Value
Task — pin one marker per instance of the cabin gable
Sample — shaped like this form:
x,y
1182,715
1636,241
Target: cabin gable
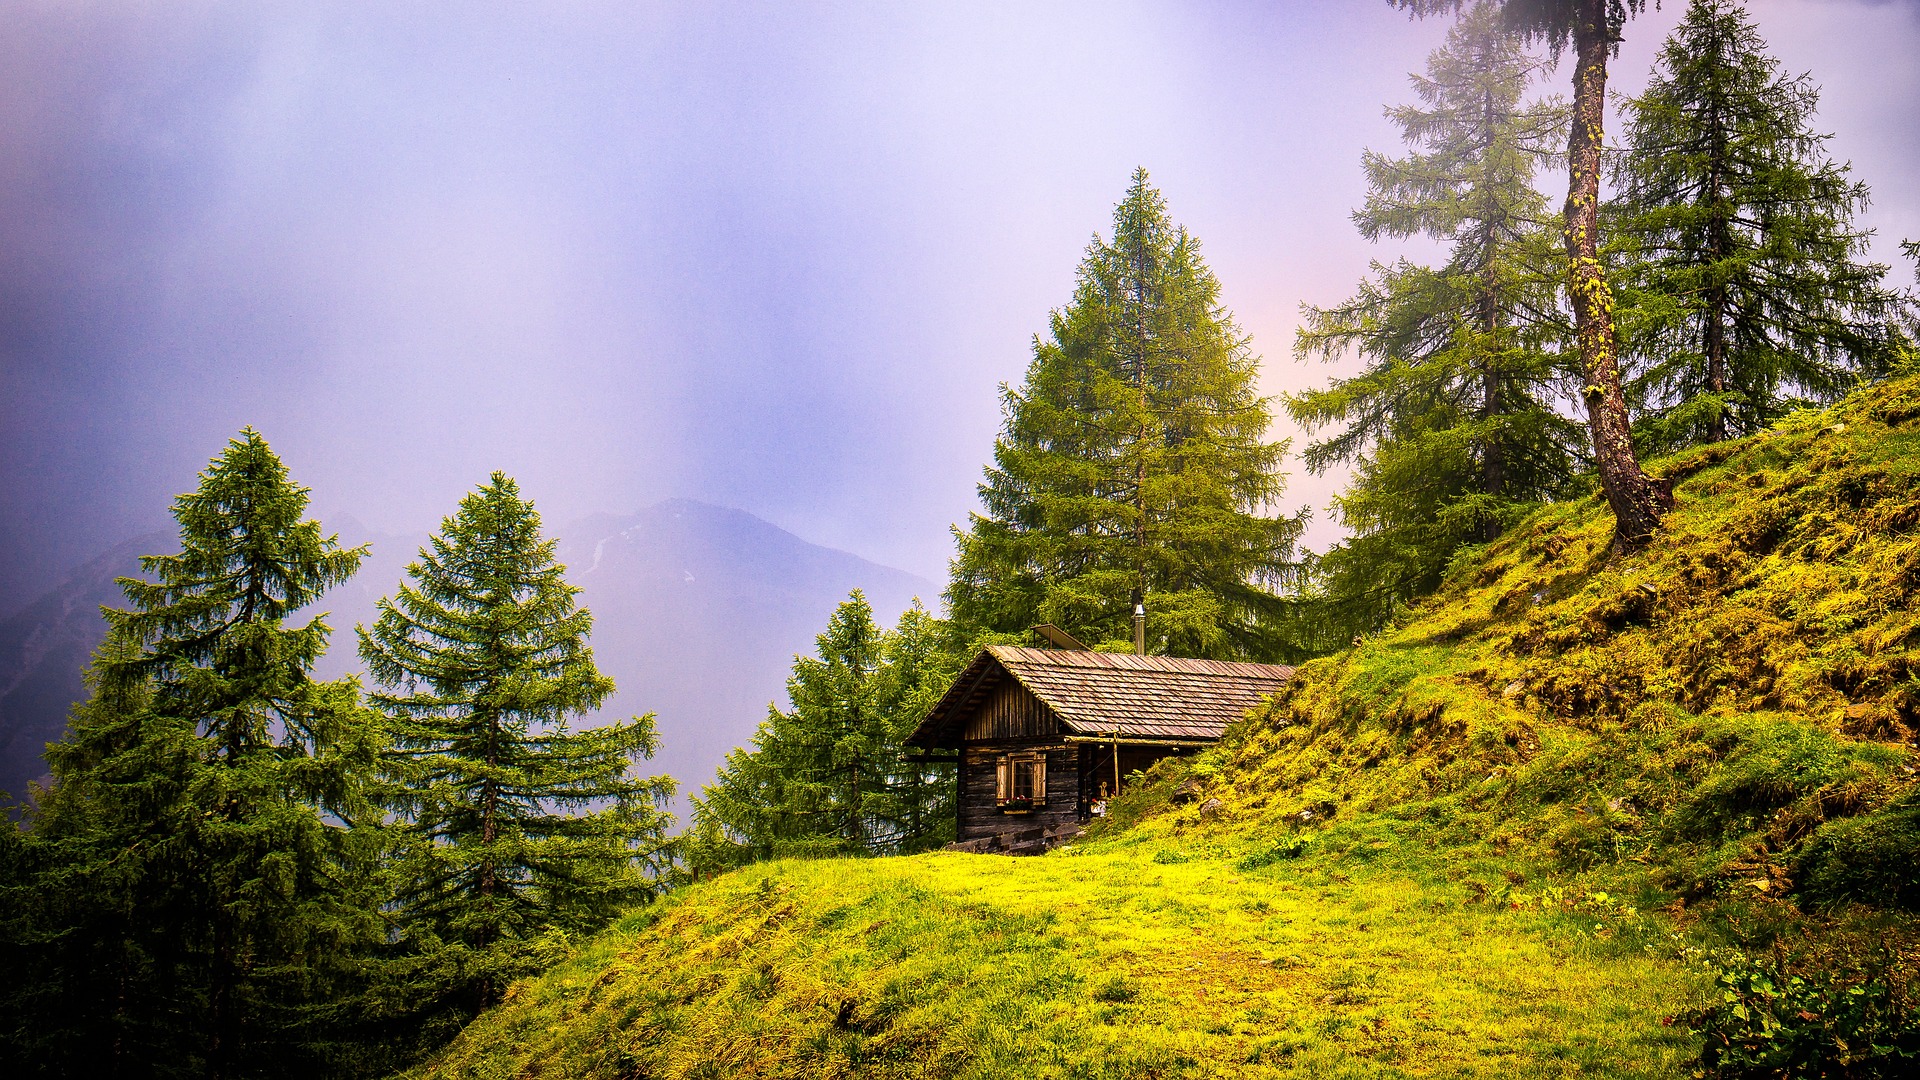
x,y
1011,711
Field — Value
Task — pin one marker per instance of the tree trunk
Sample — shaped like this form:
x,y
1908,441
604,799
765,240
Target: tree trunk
x,y
489,881
1140,438
1638,500
859,834
915,793
1715,343
1716,350
220,1000
1493,465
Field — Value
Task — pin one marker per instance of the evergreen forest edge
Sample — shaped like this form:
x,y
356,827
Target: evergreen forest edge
x,y
264,873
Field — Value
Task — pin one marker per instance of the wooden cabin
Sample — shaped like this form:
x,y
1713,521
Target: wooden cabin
x,y
1044,734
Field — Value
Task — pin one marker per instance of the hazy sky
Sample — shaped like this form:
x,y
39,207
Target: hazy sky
x,y
773,256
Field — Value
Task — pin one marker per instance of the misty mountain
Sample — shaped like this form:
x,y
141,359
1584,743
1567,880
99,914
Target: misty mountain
x,y
698,612
45,648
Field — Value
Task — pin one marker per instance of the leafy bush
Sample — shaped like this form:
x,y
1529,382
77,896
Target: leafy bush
x,y
1769,1023
1290,848
1768,763
1867,859
1142,794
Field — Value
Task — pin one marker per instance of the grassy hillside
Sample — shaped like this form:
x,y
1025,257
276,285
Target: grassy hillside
x,y
1147,960
1578,815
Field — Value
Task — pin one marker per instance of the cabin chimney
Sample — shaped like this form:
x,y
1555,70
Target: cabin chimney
x,y
1139,627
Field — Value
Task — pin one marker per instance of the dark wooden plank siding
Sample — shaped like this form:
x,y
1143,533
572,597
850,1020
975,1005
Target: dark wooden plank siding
x,y
979,774
977,817
1011,712
1063,789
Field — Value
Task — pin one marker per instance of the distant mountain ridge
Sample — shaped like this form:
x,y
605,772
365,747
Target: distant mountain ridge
x,y
698,612
44,651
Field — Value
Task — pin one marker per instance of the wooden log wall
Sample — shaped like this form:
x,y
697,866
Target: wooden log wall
x,y
979,775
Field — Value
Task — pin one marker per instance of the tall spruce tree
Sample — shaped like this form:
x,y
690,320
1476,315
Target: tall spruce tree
x,y
514,826
202,867
830,774
1750,290
1452,423
1593,29
1134,465
102,982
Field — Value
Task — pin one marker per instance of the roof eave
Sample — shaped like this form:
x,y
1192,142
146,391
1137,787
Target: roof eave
x,y
929,732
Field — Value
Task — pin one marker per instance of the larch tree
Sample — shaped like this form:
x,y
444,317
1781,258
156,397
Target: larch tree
x,y
206,854
830,774
514,826
1592,28
1452,423
1750,292
917,666
1133,465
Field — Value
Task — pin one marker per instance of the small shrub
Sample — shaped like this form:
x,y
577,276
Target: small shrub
x,y
1867,859
1768,1023
1291,848
1769,762
1142,794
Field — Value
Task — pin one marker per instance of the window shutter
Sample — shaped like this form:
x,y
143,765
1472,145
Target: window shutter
x,y
1003,781
1040,779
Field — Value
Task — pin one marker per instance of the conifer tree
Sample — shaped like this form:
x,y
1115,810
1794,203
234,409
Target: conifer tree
x,y
1452,422
1133,464
514,826
830,774
203,861
917,666
1593,28
103,978
1751,291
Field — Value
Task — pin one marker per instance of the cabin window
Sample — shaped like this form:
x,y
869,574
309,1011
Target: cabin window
x,y
1022,781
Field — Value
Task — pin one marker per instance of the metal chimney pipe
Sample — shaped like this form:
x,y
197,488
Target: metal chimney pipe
x,y
1139,629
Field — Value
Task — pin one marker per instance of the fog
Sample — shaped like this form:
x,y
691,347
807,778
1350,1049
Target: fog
x,y
775,257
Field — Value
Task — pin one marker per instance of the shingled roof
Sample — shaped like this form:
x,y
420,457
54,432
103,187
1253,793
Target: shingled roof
x,y
1095,693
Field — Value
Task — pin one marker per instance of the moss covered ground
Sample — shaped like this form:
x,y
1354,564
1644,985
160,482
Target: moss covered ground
x,y
1512,835
1129,960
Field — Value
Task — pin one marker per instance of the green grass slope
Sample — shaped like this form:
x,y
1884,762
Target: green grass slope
x,y
1573,797
1140,961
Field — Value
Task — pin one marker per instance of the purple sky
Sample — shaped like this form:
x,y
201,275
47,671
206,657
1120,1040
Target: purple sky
x,y
774,256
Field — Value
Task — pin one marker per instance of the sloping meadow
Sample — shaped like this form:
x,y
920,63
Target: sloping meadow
x,y
1717,732
1131,960
1578,814
1730,713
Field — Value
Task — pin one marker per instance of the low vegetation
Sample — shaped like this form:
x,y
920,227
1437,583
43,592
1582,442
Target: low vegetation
x,y
1577,814
1128,959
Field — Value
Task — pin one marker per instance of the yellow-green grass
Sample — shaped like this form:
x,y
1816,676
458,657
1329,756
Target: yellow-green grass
x,y
1480,844
1147,959
1728,714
